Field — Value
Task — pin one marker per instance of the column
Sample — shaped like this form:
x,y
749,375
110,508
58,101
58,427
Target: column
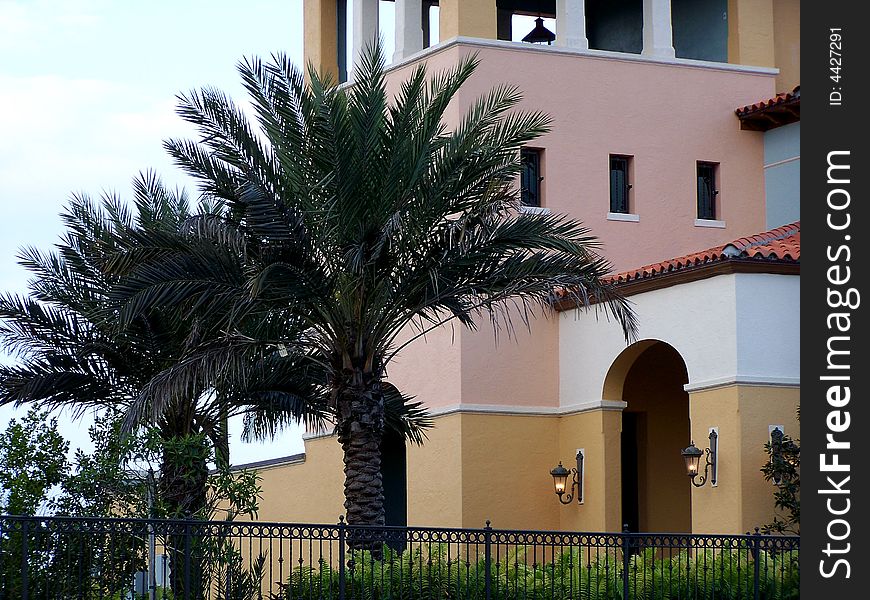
x,y
321,39
658,37
468,18
571,24
365,28
751,33
409,28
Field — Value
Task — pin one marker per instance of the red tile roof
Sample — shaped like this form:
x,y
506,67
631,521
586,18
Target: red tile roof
x,y
782,109
781,245
780,98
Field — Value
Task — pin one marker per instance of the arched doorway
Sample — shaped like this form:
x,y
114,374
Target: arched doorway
x,y
656,495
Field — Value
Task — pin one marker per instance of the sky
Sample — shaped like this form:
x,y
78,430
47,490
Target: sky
x,y
87,95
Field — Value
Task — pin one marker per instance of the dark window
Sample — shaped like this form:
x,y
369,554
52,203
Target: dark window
x,y
707,191
530,177
619,185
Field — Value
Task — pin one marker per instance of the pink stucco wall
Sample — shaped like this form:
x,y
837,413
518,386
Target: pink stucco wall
x,y
668,117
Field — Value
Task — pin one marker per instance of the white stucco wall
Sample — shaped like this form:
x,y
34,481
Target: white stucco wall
x,y
729,328
768,328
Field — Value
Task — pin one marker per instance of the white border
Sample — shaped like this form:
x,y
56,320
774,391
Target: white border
x,y
629,217
594,54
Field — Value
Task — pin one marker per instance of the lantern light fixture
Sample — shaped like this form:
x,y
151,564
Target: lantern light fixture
x,y
540,34
560,475
692,456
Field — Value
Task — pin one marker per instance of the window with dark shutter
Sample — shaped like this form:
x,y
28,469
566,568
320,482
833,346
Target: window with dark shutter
x,y
619,185
707,191
530,177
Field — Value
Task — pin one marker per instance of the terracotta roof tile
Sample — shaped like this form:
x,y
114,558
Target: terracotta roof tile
x,y
782,244
778,99
782,109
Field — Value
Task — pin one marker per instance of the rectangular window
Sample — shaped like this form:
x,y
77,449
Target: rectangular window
x,y
619,184
530,177
707,191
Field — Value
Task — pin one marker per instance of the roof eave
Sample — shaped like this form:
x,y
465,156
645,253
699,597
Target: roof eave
x,y
697,273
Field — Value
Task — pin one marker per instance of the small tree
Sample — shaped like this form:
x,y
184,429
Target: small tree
x,y
32,461
109,481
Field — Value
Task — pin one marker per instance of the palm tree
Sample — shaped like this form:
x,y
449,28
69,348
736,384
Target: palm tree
x,y
71,353
361,217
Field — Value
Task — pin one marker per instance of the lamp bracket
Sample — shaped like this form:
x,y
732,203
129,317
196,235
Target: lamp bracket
x,y
576,489
710,466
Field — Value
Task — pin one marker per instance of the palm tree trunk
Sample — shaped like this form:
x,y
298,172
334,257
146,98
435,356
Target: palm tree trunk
x,y
360,429
183,480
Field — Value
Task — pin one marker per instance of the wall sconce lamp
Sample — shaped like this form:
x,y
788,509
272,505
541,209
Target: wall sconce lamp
x,y
692,456
560,481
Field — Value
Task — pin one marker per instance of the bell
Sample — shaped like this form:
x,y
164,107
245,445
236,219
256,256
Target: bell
x,y
540,34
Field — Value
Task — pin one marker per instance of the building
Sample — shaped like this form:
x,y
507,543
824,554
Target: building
x,y
647,150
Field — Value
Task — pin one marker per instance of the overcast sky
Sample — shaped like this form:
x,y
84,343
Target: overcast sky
x,y
87,94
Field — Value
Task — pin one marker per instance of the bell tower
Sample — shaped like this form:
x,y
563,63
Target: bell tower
x,y
327,23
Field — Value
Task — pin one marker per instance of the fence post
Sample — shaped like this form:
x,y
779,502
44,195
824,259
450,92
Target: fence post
x,y
341,557
186,560
756,554
487,560
25,567
626,560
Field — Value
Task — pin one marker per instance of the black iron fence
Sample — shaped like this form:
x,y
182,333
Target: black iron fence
x,y
127,559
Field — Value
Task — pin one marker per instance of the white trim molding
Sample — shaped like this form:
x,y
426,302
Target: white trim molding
x,y
630,217
589,53
710,223
316,435
539,411
784,161
720,382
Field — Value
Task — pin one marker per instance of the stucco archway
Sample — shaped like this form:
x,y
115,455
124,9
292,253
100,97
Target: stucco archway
x,y
649,376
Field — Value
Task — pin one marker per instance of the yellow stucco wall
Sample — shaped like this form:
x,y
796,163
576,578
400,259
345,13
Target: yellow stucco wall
x,y
742,499
787,43
435,489
717,510
479,466
598,433
759,408
751,33
506,462
321,41
311,491
473,467
471,18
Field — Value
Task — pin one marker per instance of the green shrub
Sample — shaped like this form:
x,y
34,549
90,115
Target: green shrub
x,y
575,573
